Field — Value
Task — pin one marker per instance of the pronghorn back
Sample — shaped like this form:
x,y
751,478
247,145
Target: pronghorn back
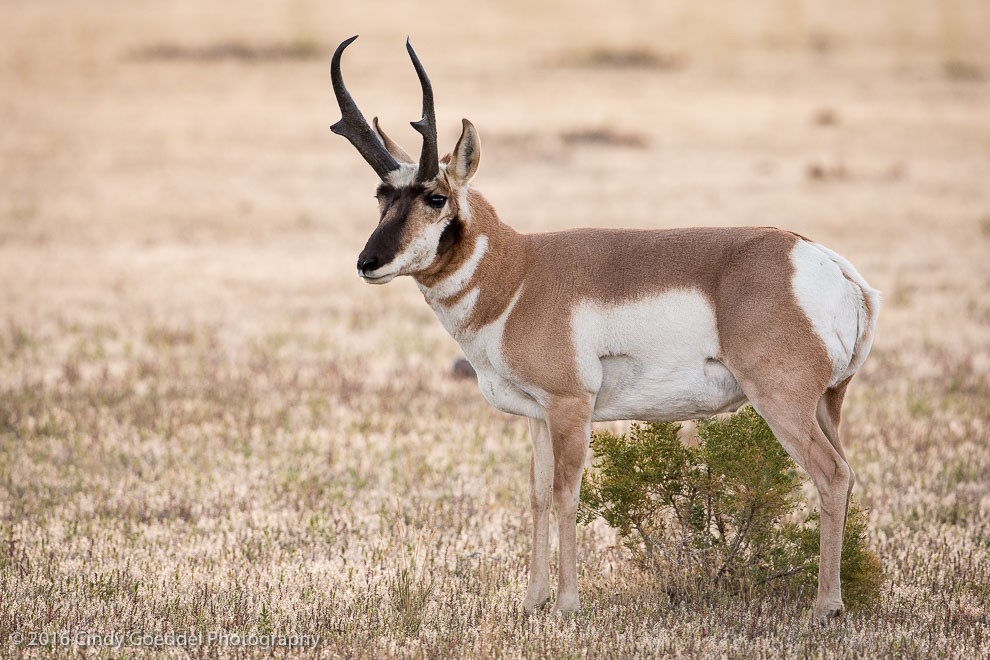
x,y
644,320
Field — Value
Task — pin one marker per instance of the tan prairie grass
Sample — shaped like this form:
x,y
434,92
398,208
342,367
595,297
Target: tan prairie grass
x,y
208,423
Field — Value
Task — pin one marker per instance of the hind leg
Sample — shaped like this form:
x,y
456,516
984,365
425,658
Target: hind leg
x,y
798,431
789,404
768,310
828,413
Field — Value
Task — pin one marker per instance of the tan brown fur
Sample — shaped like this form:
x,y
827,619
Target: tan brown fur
x,y
557,270
615,266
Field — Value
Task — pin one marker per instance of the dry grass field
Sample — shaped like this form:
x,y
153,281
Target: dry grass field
x,y
208,423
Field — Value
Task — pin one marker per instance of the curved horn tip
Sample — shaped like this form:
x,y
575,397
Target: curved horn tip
x,y
342,45
410,49
335,60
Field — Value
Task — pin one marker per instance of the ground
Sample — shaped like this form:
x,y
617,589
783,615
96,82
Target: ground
x,y
208,423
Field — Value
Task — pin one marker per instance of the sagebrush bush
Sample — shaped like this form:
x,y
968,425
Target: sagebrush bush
x,y
726,512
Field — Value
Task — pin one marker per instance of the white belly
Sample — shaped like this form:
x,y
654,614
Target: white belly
x,y
653,359
658,391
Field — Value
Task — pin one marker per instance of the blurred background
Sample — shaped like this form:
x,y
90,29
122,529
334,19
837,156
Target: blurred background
x,y
207,419
174,158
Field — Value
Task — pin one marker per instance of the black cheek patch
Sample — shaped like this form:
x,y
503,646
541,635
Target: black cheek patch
x,y
450,236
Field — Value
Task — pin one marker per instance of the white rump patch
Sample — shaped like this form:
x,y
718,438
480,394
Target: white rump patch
x,y
831,294
654,359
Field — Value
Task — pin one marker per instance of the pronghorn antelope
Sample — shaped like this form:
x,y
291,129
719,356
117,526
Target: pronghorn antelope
x,y
588,325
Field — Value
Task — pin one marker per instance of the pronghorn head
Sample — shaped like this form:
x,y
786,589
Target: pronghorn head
x,y
423,206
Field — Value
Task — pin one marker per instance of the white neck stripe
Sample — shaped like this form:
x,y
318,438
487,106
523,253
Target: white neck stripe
x,y
459,278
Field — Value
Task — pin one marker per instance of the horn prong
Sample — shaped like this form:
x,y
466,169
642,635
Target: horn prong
x,y
429,159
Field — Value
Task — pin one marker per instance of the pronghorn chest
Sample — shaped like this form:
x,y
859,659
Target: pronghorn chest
x,y
483,347
454,300
500,388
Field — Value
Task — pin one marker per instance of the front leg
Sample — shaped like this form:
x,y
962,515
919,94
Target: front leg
x,y
541,487
569,420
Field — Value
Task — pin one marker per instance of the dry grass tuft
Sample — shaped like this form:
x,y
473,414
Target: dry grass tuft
x,y
606,137
825,116
235,51
631,58
821,171
963,71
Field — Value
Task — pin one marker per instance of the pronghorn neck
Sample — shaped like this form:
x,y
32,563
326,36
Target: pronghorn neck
x,y
477,279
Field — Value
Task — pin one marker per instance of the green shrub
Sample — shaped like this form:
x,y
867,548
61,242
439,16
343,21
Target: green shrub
x,y
725,512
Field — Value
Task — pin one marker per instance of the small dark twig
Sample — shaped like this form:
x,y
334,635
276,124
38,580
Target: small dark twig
x,y
784,573
736,544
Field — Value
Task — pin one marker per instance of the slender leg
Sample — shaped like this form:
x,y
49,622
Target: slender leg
x,y
797,429
570,427
541,486
829,410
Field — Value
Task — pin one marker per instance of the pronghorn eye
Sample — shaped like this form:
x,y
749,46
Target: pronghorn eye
x,y
436,201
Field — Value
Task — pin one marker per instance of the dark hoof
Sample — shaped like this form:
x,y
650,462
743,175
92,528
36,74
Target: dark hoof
x,y
828,614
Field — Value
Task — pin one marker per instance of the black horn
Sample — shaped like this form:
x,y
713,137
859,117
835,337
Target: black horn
x,y
354,126
429,159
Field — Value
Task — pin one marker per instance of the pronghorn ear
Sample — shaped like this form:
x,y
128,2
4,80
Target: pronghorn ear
x,y
397,152
467,154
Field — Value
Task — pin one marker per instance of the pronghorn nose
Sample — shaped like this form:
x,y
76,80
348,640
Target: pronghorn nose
x,y
367,264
